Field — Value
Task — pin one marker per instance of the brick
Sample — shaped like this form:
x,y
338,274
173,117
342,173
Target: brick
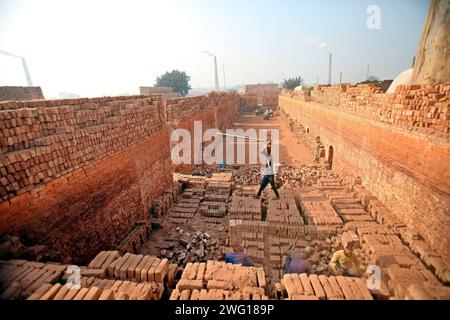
x,y
317,286
51,293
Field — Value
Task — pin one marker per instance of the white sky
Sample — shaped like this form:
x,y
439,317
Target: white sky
x,y
100,47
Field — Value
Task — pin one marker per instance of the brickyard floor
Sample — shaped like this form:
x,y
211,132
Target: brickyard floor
x,y
178,253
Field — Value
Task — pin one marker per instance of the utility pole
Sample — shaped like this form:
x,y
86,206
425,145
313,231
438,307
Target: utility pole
x,y
224,82
216,73
368,68
340,78
329,68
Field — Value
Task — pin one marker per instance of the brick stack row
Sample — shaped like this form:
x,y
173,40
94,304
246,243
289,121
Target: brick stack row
x,y
221,281
44,140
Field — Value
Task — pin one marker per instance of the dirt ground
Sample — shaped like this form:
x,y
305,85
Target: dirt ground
x,y
292,152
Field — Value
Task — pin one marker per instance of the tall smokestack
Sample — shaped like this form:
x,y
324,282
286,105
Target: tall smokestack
x,y
216,73
27,73
329,69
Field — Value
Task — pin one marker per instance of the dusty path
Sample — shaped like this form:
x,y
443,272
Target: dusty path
x,y
292,150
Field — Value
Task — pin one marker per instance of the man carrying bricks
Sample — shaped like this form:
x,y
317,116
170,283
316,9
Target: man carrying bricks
x,y
345,262
269,174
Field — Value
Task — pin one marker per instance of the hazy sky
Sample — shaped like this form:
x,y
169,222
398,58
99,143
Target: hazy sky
x,y
112,47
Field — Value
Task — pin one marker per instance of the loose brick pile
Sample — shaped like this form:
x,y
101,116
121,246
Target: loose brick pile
x,y
313,287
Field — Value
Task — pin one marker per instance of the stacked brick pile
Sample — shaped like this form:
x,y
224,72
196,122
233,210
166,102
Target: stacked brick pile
x,y
191,181
429,257
317,210
186,206
417,107
238,226
178,110
313,287
284,210
181,109
220,281
42,140
136,238
109,264
161,205
100,290
402,271
216,197
245,208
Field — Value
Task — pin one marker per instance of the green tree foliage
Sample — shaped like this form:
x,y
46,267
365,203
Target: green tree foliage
x,y
177,80
292,83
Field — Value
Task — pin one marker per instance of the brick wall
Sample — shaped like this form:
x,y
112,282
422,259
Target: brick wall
x,y
215,110
250,103
20,93
401,159
77,174
422,108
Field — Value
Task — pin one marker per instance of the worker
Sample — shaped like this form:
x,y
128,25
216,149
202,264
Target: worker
x,y
345,262
268,172
238,257
297,262
266,115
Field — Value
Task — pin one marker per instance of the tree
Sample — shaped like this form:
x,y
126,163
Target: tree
x,y
177,80
292,83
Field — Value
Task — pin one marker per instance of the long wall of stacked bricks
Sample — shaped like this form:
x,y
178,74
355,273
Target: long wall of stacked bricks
x,y
77,174
216,110
396,145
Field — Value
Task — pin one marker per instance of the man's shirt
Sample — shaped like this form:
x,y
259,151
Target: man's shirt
x,y
296,264
344,261
268,170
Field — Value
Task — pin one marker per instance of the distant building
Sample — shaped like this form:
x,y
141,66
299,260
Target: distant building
x,y
260,90
165,92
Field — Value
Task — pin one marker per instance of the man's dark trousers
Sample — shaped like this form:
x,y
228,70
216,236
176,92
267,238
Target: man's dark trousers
x,y
266,180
